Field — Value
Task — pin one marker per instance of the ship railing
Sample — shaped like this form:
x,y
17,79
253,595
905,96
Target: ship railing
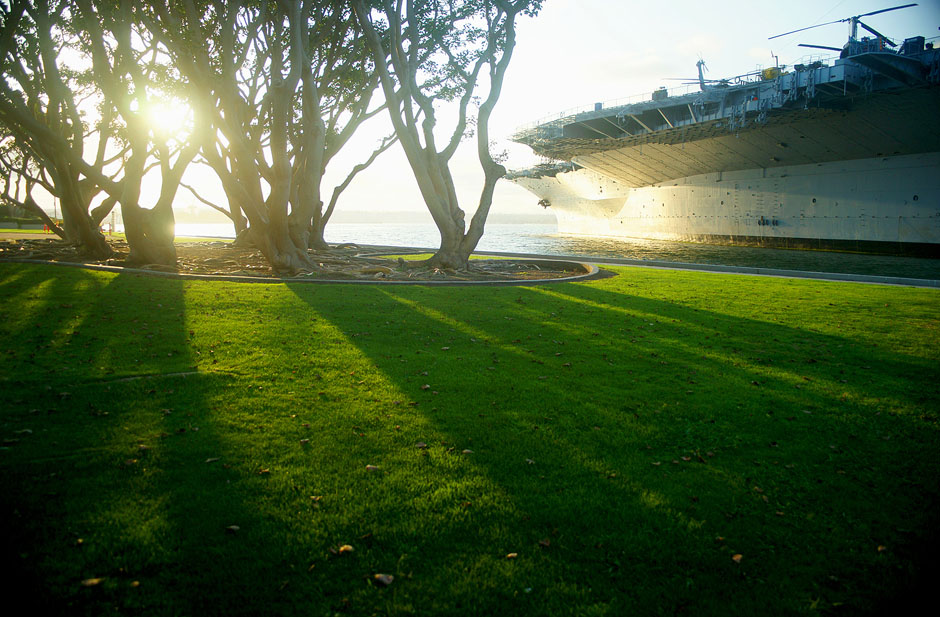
x,y
566,116
562,116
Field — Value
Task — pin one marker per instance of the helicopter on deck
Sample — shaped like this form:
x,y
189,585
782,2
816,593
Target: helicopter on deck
x,y
855,45
704,84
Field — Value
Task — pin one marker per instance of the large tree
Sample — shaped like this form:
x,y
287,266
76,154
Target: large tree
x,y
40,114
68,60
20,175
283,85
436,51
133,75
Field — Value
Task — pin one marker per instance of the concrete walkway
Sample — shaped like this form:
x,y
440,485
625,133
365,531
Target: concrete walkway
x,y
668,265
675,265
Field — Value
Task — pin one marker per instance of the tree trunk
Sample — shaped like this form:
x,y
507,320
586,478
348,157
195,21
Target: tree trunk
x,y
238,219
450,255
285,257
100,212
316,240
30,205
80,229
150,233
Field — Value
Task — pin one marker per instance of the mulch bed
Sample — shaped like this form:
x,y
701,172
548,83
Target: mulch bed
x,y
345,262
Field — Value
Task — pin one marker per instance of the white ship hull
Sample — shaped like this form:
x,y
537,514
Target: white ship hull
x,y
885,204
843,156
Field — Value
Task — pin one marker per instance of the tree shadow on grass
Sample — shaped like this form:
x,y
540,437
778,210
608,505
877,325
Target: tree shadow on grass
x,y
122,483
562,470
631,462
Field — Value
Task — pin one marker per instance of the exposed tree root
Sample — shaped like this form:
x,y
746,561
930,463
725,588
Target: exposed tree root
x,y
344,262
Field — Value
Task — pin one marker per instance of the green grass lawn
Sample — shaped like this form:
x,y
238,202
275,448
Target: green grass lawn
x,y
660,442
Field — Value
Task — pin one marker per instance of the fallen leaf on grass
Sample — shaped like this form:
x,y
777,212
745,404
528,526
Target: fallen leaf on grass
x,y
232,529
383,580
512,555
345,549
213,459
421,445
545,543
371,468
467,452
91,582
737,558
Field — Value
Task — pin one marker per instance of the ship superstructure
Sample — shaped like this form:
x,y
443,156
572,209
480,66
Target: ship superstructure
x,y
841,155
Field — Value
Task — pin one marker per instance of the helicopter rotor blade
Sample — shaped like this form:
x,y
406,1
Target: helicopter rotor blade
x,y
893,8
878,34
820,47
839,21
777,36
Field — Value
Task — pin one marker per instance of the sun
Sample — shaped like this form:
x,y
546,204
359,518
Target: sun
x,y
170,118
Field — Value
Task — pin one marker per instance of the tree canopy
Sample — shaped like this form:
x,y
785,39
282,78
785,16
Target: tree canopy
x,y
441,50
275,87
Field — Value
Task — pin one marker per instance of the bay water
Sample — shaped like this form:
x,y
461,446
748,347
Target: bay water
x,y
544,239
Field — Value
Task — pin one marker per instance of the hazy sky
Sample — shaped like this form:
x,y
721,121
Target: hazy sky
x,y
577,52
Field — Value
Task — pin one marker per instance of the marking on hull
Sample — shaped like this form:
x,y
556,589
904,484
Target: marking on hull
x,y
869,200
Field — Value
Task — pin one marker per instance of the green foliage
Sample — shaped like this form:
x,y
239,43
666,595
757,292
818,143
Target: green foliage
x,y
626,439
443,39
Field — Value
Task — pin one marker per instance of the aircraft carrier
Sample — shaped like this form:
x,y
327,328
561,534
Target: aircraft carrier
x,y
841,155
